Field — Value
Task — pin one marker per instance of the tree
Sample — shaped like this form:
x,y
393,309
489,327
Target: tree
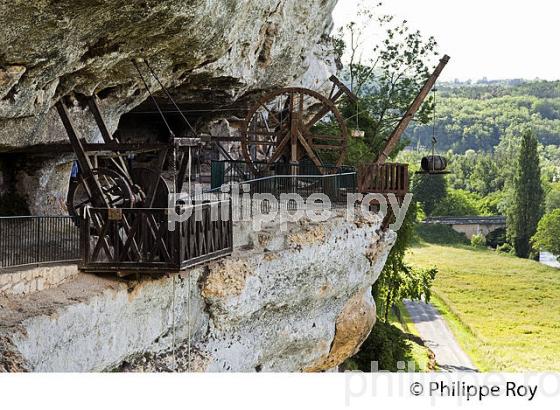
x,y
458,202
386,77
553,198
398,280
548,233
528,195
429,190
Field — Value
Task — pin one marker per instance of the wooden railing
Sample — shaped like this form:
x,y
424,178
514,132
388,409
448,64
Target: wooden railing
x,y
139,239
388,178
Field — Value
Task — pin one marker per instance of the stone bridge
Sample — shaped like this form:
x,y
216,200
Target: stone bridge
x,y
470,225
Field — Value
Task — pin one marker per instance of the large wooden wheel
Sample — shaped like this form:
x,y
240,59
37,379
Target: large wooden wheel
x,y
114,186
291,124
145,181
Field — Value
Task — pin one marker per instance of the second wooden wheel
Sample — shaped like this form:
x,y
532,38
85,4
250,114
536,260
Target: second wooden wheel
x,y
292,124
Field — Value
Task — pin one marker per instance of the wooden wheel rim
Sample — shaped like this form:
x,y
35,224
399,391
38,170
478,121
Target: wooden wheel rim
x,y
328,105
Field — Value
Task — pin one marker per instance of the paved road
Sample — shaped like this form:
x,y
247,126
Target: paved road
x,y
549,259
437,336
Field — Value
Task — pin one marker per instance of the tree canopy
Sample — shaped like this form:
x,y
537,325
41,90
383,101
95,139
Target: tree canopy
x,y
478,117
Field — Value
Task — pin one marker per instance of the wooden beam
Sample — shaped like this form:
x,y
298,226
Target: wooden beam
x,y
310,152
151,195
395,136
342,88
97,197
94,108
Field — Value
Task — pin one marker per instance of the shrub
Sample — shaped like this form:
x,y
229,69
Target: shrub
x,y
478,241
440,235
496,238
504,248
387,345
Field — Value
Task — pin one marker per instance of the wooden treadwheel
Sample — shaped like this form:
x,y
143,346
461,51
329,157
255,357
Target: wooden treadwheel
x,y
293,124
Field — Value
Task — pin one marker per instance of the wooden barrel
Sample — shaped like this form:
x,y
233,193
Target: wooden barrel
x,y
433,163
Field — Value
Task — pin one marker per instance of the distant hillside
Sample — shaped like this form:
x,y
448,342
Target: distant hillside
x,y
477,115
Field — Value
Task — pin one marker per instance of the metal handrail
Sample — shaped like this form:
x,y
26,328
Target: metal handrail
x,y
37,240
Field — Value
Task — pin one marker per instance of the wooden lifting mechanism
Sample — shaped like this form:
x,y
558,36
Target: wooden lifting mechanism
x,y
430,164
107,179
288,125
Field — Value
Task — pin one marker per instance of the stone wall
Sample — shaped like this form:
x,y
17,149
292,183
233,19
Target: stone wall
x,y
24,282
285,301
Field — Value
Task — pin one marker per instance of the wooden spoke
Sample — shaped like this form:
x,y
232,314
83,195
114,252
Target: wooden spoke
x,y
289,125
113,187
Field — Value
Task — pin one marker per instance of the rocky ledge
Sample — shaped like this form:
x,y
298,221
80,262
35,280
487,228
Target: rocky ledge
x,y
284,301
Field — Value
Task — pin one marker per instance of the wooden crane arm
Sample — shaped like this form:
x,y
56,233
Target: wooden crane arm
x,y
395,136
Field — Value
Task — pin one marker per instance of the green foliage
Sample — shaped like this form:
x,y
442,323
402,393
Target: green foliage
x,y
429,190
440,234
505,248
547,236
493,204
479,117
526,209
553,198
478,241
359,152
496,238
387,82
386,345
458,202
398,280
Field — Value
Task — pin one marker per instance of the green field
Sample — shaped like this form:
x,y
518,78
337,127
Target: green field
x,y
504,311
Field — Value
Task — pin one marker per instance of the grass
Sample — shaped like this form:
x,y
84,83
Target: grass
x,y
504,311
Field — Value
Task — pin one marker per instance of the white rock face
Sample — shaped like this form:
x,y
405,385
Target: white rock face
x,y
205,50
306,306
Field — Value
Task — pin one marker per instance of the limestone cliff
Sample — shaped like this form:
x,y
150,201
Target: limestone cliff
x,y
285,301
206,51
294,301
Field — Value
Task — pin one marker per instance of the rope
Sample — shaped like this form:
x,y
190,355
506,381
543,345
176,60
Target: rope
x,y
173,327
171,133
434,139
189,166
189,324
169,96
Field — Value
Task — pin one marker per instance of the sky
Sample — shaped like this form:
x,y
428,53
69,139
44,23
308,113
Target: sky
x,y
496,39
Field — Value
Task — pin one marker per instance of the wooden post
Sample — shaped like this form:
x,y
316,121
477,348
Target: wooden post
x,y
90,181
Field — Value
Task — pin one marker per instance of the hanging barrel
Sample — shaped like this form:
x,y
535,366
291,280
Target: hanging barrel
x,y
433,163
